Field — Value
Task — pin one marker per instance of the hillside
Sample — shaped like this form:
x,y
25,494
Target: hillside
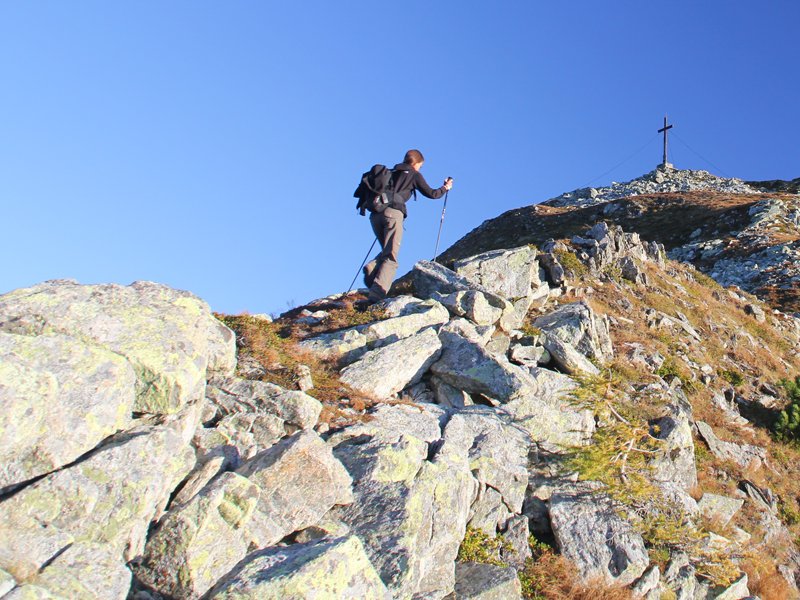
x,y
730,230
583,418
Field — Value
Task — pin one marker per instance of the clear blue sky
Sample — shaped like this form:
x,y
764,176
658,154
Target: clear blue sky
x,y
215,146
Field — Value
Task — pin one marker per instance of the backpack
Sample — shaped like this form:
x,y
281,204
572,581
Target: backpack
x,y
375,191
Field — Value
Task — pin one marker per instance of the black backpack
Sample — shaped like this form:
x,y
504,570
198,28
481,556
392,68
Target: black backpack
x,y
376,190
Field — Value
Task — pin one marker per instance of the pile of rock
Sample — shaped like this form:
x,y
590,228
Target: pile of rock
x,y
136,464
758,255
660,180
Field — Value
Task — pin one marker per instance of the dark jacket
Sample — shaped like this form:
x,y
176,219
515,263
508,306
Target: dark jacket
x,y
406,180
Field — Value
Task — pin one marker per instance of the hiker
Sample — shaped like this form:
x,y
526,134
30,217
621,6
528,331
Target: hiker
x,y
388,225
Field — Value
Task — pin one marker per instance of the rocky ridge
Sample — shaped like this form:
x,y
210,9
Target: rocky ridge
x,y
659,181
498,412
739,233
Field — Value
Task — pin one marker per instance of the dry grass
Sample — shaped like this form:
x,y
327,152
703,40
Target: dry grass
x,y
550,576
739,350
764,580
669,218
274,346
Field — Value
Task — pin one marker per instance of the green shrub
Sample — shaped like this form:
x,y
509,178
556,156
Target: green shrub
x,y
571,263
478,547
669,368
787,426
735,378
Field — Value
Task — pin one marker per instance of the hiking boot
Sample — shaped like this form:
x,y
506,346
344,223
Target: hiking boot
x,y
369,270
362,304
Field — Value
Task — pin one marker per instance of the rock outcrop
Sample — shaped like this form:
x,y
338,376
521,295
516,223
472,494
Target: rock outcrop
x,y
494,401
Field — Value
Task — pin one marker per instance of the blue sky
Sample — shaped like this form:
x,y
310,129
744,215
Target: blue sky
x,y
215,146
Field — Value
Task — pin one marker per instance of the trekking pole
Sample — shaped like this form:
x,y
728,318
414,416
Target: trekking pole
x,y
362,265
444,208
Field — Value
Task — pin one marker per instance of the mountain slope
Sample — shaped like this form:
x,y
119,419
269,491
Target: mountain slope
x,y
727,228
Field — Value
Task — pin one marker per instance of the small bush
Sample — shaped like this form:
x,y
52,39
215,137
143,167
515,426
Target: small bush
x,y
571,263
478,547
669,368
735,378
530,330
787,426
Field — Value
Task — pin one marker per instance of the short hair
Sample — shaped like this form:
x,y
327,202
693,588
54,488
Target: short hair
x,y
413,157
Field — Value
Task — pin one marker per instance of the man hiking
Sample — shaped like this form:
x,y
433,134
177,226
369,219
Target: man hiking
x,y
388,225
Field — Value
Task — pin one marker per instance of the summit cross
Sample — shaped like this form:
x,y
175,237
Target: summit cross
x,y
664,130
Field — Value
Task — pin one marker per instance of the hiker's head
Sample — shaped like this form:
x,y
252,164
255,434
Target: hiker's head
x,y
414,159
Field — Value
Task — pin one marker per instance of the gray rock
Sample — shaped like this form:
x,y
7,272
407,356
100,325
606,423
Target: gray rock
x,y
763,498
469,367
679,577
512,274
738,590
202,540
201,477
476,581
516,550
674,468
507,273
414,318
170,337
499,344
719,508
232,396
305,381
29,548
590,533
757,312
432,280
60,399
647,585
567,357
329,569
249,433
448,396
250,368
632,271
480,334
554,270
423,422
387,370
410,512
473,305
211,443
7,583
411,317
110,497
529,356
330,528
300,480
577,325
498,458
745,455
30,591
549,415
87,571
419,392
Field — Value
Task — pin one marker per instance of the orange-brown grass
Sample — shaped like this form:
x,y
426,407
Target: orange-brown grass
x,y
342,313
550,576
764,580
739,350
275,349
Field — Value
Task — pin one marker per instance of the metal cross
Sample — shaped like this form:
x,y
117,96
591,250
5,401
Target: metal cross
x,y
664,130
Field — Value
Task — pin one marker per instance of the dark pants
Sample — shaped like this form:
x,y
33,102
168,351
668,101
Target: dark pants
x,y
379,273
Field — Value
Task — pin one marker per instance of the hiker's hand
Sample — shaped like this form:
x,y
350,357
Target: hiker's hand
x,y
448,183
